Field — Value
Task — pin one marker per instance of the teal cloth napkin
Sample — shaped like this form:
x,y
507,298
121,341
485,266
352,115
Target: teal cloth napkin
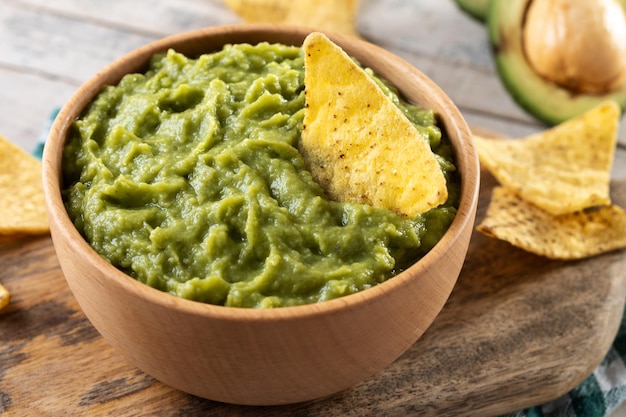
x,y
597,396
38,151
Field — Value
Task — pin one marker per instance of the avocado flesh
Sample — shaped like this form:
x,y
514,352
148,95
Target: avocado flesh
x,y
475,8
541,98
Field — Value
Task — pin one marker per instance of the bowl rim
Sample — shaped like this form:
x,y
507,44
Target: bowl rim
x,y
51,171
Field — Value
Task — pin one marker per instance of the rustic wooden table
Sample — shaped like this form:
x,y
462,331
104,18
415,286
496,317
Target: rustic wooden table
x,y
492,351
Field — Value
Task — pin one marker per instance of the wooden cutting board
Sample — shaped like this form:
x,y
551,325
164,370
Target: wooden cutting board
x,y
518,330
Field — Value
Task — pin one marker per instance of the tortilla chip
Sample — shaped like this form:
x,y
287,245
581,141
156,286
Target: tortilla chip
x,y
260,11
358,144
336,16
563,169
21,192
568,236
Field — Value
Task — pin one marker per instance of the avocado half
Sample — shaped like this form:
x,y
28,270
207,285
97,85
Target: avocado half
x,y
541,98
475,8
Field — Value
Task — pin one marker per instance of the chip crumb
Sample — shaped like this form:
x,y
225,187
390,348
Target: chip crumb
x,y
5,297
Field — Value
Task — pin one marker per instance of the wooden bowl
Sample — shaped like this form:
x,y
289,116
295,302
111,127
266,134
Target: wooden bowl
x,y
272,356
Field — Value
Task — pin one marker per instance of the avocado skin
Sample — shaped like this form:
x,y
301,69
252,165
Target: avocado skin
x,y
475,8
541,98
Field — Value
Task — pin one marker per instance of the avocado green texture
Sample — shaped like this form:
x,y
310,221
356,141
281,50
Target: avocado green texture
x,y
477,9
541,98
189,179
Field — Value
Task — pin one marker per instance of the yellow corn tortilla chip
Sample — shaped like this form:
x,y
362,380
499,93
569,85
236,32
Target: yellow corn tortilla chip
x,y
563,169
332,15
22,205
568,236
261,11
358,145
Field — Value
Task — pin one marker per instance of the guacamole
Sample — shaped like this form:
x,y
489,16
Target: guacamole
x,y
188,178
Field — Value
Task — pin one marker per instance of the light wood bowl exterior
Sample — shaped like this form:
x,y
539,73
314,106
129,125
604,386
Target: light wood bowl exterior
x,y
262,357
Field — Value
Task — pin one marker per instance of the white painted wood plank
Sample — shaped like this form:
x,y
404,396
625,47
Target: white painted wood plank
x,y
59,46
159,18
431,28
156,17
26,101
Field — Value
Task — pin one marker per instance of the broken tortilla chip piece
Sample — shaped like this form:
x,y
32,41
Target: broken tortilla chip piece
x,y
21,192
358,144
563,169
336,16
568,236
5,297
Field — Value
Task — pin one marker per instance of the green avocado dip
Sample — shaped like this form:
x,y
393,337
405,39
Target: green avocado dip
x,y
189,179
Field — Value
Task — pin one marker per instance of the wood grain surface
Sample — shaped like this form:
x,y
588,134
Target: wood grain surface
x,y
518,330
